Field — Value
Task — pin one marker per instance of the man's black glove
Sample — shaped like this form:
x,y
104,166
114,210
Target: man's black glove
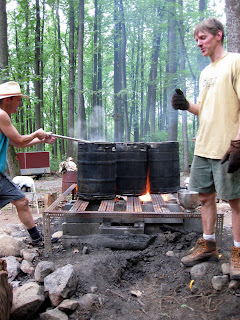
x,y
233,154
179,101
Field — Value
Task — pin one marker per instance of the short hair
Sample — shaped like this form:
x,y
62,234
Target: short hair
x,y
211,25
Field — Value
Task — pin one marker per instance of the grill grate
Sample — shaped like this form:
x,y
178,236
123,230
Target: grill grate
x,y
106,210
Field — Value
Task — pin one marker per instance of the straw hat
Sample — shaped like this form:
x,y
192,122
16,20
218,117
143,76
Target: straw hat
x,y
10,89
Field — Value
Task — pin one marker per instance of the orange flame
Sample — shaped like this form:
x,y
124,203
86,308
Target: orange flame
x,y
147,196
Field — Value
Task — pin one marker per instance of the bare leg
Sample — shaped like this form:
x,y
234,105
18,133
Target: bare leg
x,y
235,206
208,212
24,212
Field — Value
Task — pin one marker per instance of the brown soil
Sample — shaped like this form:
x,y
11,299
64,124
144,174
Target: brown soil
x,y
145,284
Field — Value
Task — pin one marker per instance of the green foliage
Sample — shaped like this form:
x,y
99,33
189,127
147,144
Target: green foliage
x,y
143,19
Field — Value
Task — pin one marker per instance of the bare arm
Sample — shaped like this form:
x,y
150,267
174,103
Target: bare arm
x,y
22,141
194,108
238,132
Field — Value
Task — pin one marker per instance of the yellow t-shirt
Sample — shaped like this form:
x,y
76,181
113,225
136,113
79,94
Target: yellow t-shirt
x,y
219,100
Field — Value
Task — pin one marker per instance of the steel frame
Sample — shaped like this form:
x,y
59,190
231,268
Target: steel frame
x,y
106,210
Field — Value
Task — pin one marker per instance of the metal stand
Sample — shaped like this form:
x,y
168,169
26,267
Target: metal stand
x,y
106,210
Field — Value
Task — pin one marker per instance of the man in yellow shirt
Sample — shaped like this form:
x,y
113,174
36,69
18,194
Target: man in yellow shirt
x,y
217,150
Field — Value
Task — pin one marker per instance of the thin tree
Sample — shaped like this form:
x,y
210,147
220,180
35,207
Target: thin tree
x,y
37,72
233,25
151,95
118,129
81,114
123,72
172,69
71,91
62,146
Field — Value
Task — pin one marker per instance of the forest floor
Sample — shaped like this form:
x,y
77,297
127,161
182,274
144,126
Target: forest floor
x,y
142,284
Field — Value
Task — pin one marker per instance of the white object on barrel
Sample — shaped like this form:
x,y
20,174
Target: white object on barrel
x,y
68,138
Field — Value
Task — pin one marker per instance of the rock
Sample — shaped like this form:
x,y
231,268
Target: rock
x,y
14,230
218,282
57,234
10,246
93,289
225,268
26,301
27,267
43,269
68,305
170,254
173,237
199,270
53,314
179,246
234,284
85,250
15,284
29,254
13,267
60,284
86,301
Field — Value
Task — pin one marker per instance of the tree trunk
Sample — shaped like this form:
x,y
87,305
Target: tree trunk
x,y
233,25
94,118
42,67
123,72
172,68
71,92
37,72
6,292
81,115
134,97
3,40
62,147
142,83
117,75
151,96
99,80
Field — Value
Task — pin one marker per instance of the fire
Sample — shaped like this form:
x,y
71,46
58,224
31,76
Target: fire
x,y
165,197
146,197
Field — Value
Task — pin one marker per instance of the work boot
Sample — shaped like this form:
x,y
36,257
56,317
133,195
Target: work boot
x,y
39,242
204,250
235,263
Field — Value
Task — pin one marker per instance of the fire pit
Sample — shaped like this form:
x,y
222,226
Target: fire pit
x,y
111,180
134,210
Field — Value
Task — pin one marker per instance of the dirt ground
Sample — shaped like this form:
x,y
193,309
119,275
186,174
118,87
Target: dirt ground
x,y
145,284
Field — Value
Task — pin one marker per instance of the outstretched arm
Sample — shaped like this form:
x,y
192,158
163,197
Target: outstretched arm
x,y
22,141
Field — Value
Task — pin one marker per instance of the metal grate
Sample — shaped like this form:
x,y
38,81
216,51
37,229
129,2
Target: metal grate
x,y
106,210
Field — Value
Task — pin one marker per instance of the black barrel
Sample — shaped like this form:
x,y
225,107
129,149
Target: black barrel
x,y
131,171
164,169
96,170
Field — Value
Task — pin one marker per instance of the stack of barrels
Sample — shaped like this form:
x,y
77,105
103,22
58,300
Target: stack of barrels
x,y
109,169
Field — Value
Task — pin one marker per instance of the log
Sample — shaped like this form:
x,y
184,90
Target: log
x,y
6,292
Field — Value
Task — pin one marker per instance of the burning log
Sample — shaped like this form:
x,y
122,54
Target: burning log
x,y
6,294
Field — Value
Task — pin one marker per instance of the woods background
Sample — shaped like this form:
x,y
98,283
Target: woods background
x,y
105,70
